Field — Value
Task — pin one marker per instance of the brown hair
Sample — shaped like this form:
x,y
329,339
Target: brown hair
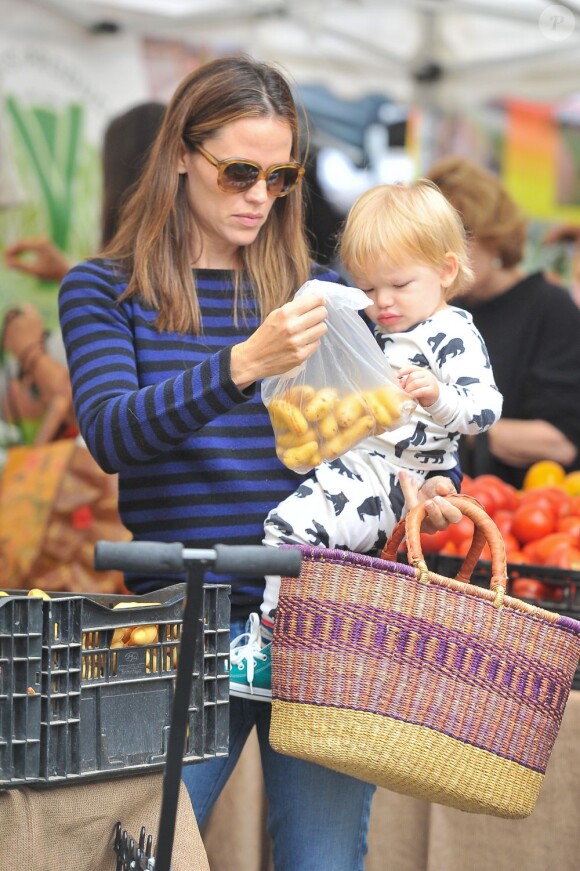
x,y
126,144
153,243
405,222
489,214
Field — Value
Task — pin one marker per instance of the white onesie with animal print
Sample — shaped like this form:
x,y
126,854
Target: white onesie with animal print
x,y
354,502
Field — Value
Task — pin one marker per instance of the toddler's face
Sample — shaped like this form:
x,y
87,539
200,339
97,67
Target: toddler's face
x,y
403,296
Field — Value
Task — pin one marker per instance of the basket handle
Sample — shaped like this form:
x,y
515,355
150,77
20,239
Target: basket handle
x,y
485,531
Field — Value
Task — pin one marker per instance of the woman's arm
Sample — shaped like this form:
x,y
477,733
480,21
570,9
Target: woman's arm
x,y
522,442
38,257
139,393
24,338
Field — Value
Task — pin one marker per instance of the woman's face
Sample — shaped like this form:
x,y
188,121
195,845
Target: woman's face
x,y
226,221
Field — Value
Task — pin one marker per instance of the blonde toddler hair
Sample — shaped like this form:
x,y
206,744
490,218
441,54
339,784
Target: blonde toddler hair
x,y
401,223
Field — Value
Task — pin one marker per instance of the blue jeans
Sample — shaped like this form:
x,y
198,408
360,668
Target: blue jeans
x,y
318,819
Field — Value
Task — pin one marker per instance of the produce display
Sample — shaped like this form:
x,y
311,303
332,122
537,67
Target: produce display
x,y
314,425
126,636
540,526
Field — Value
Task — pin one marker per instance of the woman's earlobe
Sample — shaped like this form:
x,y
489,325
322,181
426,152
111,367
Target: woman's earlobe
x,y
181,164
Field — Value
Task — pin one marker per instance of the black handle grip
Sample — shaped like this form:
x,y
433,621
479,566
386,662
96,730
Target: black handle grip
x,y
251,560
139,556
153,557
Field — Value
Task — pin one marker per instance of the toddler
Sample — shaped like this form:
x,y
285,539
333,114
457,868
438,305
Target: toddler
x,y
405,247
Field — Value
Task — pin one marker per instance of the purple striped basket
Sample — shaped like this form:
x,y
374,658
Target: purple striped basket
x,y
420,683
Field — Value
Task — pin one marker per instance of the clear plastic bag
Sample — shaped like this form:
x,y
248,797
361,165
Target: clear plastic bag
x,y
344,393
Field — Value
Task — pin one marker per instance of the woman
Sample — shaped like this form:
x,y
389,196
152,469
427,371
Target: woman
x,y
530,326
167,336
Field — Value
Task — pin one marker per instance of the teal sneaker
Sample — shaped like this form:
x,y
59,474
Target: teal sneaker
x,y
251,665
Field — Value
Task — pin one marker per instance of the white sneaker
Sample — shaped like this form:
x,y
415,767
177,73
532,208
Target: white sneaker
x,y
251,664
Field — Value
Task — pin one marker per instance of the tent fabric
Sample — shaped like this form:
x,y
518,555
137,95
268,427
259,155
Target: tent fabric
x,y
444,53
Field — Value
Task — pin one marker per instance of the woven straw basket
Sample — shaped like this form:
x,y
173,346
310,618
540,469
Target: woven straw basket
x,y
420,683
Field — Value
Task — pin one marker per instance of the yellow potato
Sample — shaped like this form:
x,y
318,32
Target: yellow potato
x,y
347,438
134,605
300,395
38,593
350,409
381,412
316,459
151,661
121,636
328,426
284,416
2,593
142,635
296,458
291,440
321,404
392,399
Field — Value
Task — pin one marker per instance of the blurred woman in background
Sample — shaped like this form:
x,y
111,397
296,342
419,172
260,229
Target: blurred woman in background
x,y
531,328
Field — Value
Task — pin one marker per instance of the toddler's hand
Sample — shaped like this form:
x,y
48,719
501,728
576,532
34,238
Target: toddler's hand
x,y
440,512
419,383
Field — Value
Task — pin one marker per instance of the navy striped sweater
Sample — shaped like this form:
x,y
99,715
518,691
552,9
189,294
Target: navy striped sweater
x,y
195,455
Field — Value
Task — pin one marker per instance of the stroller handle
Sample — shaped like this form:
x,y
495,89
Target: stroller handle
x,y
153,557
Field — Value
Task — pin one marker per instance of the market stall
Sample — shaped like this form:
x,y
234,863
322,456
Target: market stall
x,y
411,835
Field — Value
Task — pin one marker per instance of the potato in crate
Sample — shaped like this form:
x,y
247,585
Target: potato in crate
x,y
109,667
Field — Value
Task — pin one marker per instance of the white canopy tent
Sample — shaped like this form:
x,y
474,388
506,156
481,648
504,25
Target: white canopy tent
x,y
436,53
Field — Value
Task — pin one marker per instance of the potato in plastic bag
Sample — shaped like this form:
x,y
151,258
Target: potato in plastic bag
x,y
344,393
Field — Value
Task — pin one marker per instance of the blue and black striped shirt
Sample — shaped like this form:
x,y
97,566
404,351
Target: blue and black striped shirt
x,y
195,455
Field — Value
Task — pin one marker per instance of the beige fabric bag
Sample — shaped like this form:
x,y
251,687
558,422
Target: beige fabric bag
x,y
71,828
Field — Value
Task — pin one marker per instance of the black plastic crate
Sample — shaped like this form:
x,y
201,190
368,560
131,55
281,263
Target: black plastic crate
x,y
20,689
107,709
102,711
561,593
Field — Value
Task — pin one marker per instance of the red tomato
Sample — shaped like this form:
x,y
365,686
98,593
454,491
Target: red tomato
x,y
503,519
485,553
537,498
511,543
449,548
485,496
504,495
512,497
458,532
571,525
542,549
532,521
432,542
565,557
463,549
531,552
517,557
554,497
530,588
575,506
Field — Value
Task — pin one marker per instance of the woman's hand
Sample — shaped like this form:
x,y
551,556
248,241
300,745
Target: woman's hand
x,y
289,336
440,512
38,257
